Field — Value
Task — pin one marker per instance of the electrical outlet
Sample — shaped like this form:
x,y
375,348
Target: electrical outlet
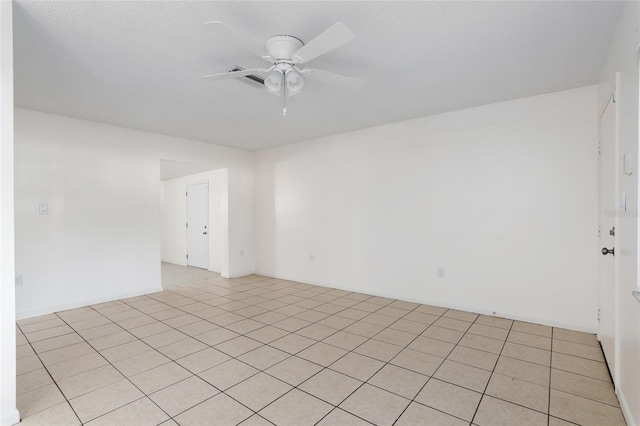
x,y
241,252
440,271
18,280
312,258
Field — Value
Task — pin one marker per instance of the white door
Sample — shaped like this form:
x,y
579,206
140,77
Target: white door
x,y
608,211
198,225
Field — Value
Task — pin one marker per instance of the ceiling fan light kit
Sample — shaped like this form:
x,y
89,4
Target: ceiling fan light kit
x,y
286,53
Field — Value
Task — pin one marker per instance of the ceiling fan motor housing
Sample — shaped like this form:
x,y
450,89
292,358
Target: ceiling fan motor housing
x,y
281,47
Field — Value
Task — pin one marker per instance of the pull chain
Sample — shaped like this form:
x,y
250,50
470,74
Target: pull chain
x,y
284,96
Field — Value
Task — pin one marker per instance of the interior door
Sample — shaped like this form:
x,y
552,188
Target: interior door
x,y
198,225
608,212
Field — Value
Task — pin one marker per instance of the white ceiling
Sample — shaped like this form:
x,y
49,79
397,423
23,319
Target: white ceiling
x,y
138,64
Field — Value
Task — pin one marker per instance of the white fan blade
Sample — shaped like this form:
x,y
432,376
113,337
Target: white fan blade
x,y
332,38
238,39
234,74
334,78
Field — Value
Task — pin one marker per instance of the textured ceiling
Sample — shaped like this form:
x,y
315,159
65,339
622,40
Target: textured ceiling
x,y
138,64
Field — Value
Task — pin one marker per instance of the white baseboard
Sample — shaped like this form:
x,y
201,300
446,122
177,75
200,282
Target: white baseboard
x,y
626,410
10,418
81,303
476,310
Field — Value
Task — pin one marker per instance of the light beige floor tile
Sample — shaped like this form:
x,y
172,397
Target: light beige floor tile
x,y
584,411
292,343
140,363
238,346
489,331
39,399
482,343
228,374
395,337
89,381
364,329
495,321
165,338
182,348
553,421
316,331
42,325
444,334
340,417
423,315
149,329
269,317
56,342
409,326
432,346
100,331
296,408
519,392
137,322
379,319
181,320
375,405
48,333
586,367
399,381
293,370
142,412
453,324
345,340
32,380
527,353
66,353
352,314
494,411
245,326
417,361
575,336
24,351
198,327
536,341
357,366
291,324
183,395
79,365
583,386
159,377
223,409
461,315
451,399
322,354
530,328
463,375
167,314
30,363
577,349
336,322
473,357
124,351
39,318
58,415
111,340
378,350
256,420
417,414
101,401
267,334
263,357
394,310
217,336
330,386
258,391
523,370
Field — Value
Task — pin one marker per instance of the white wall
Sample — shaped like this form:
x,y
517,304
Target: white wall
x,y
503,196
623,58
8,411
174,217
101,238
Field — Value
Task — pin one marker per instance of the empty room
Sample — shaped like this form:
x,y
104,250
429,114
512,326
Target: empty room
x,y
319,213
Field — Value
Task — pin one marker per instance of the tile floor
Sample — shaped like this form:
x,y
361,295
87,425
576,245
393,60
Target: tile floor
x,y
260,351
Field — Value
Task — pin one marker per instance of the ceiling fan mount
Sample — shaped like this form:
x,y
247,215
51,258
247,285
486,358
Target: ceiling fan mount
x,y
282,47
287,54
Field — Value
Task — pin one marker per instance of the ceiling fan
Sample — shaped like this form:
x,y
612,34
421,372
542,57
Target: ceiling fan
x,y
286,54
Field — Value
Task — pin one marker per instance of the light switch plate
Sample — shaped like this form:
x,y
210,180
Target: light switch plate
x,y
43,208
627,164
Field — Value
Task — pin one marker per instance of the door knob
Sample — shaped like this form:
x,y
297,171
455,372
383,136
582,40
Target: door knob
x,y
204,233
607,251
